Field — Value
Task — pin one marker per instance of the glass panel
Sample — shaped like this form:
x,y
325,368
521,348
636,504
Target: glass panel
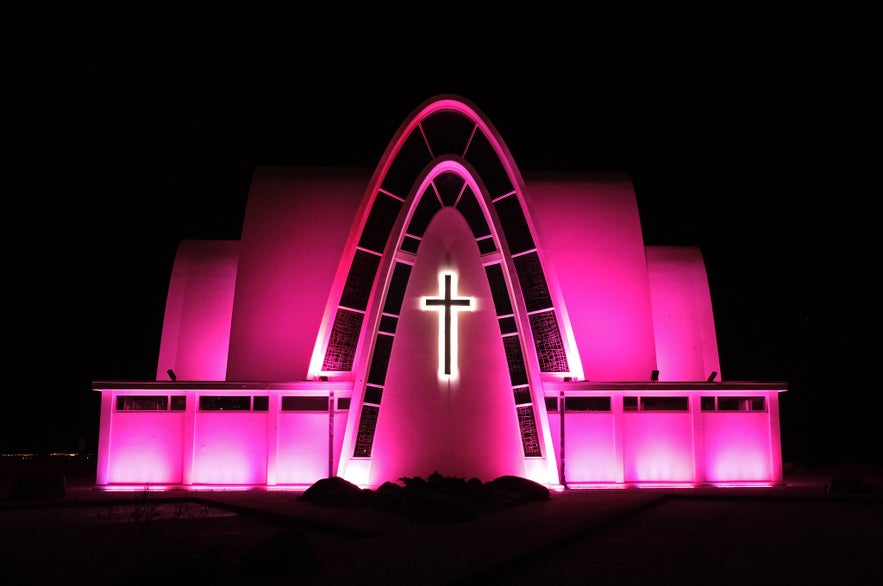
x,y
740,404
373,395
343,341
142,403
225,403
533,282
665,404
547,338
522,395
587,403
529,437
365,437
304,403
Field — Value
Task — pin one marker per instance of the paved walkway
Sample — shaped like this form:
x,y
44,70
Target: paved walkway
x,y
796,533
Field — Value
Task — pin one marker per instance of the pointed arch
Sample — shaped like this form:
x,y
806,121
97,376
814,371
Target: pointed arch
x,y
446,154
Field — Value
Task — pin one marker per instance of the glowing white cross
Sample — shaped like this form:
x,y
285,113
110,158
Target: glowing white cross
x,y
447,304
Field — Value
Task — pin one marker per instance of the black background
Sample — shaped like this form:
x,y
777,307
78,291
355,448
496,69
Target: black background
x,y
748,131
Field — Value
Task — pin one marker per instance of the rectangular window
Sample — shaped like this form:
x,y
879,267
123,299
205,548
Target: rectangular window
x,y
587,403
225,403
261,403
486,245
707,403
508,325
305,403
142,403
410,244
741,404
373,395
665,404
551,404
388,324
522,395
629,403
343,403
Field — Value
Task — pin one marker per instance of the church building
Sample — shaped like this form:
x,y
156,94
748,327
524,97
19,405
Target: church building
x,y
444,313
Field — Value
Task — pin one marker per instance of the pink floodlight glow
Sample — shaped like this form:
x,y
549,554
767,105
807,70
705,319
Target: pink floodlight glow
x,y
742,484
357,471
231,448
448,305
135,460
737,447
658,447
139,487
591,447
302,452
218,487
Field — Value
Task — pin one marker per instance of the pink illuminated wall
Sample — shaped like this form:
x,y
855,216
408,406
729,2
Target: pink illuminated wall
x,y
302,456
147,448
590,231
297,225
230,448
737,447
683,321
689,447
196,326
590,441
658,447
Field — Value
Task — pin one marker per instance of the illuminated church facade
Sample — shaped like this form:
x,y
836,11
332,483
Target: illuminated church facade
x,y
440,313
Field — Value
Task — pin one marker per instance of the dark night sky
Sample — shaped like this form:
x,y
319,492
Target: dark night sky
x,y
742,131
